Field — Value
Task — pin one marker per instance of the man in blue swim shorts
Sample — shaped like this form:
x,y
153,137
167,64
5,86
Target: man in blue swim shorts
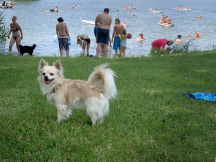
x,y
103,22
117,30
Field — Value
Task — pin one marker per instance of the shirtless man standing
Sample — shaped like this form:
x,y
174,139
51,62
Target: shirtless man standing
x,y
63,36
103,22
117,30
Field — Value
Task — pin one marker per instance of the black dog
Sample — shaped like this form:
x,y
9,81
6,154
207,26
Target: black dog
x,y
26,49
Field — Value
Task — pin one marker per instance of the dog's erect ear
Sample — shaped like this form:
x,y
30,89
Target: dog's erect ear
x,y
42,63
58,65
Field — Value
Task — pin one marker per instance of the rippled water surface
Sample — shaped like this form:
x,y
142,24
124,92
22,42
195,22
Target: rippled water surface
x,y
39,28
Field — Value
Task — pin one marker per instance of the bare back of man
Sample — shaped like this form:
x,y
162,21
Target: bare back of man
x,y
103,21
61,29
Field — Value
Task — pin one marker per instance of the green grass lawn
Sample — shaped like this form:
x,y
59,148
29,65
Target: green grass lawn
x,y
150,120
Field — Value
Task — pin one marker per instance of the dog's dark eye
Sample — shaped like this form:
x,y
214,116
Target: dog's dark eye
x,y
51,74
44,73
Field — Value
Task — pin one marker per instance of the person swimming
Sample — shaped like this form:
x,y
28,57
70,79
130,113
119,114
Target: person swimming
x,y
56,9
197,35
74,6
140,38
4,3
131,6
127,7
155,10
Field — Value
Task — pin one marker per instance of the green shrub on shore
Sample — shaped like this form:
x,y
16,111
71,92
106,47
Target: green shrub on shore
x,y
150,120
3,29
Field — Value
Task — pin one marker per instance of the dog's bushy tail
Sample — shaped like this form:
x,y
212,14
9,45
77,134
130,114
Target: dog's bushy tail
x,y
102,78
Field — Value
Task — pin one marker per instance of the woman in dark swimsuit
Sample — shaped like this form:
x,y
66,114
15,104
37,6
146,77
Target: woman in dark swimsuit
x,y
16,31
84,41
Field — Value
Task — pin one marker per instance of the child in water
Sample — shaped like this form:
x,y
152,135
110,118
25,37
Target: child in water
x,y
123,43
179,41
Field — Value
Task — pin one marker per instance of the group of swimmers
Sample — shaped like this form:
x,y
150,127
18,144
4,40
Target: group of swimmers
x,y
153,10
56,9
165,20
180,7
179,40
131,7
5,4
51,10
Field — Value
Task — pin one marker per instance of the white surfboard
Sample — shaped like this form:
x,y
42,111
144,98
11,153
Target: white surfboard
x,y
89,22
181,9
167,25
186,9
158,11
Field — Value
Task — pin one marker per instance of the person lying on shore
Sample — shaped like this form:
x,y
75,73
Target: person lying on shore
x,y
84,41
140,38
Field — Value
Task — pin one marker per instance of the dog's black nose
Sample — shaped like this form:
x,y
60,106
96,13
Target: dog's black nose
x,y
46,78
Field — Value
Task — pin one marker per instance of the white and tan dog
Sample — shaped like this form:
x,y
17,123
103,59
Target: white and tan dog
x,y
65,94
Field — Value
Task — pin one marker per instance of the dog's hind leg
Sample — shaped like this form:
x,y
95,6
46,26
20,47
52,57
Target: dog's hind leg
x,y
105,111
93,116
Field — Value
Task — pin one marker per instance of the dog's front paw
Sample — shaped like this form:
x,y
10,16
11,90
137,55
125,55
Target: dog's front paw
x,y
61,114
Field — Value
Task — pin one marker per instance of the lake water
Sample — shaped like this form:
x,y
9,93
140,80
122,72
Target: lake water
x,y
39,28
